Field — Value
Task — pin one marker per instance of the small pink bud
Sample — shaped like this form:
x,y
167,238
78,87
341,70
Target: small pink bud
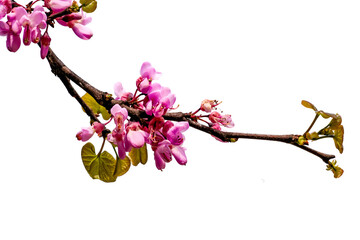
x,y
98,127
45,44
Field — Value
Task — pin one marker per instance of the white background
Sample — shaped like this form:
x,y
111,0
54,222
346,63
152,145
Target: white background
x,y
261,58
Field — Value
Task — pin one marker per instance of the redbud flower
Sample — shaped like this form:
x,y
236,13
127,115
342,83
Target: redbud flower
x,y
45,44
158,100
120,115
121,94
85,134
5,7
135,136
224,120
77,22
207,105
57,5
173,131
162,154
148,73
32,24
98,128
12,29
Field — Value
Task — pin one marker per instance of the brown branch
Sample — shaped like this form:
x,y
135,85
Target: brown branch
x,y
103,98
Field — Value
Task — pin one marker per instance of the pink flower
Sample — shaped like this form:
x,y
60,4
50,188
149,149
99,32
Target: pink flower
x,y
5,7
135,136
148,73
208,105
77,22
224,120
158,100
45,44
173,132
85,134
12,29
117,136
121,94
32,24
165,150
57,5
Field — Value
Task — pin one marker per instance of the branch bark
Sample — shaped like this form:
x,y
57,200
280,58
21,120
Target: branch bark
x,y
104,99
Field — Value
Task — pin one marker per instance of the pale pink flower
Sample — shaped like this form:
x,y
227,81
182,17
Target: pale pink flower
x,y
121,94
224,120
77,22
57,5
85,134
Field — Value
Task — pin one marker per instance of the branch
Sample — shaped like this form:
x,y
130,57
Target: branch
x,y
105,99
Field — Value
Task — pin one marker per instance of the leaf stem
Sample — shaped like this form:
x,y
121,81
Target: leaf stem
x,y
311,125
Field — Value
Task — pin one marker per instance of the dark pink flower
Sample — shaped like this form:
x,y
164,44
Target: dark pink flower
x,y
5,7
173,132
45,44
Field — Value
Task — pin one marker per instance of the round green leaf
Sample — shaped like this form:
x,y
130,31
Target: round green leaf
x,y
89,8
122,166
99,166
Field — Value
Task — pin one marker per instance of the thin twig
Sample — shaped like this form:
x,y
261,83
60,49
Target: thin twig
x,y
60,70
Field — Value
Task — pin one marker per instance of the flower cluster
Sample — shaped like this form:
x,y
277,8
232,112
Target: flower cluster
x,y
164,137
32,20
216,119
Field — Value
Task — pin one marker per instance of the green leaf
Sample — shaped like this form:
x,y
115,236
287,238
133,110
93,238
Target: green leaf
x,y
337,171
95,106
85,2
138,155
89,6
99,166
339,138
308,105
122,166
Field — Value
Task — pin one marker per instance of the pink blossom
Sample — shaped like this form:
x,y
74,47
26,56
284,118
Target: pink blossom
x,y
121,94
158,100
224,120
148,73
85,134
120,115
208,105
173,132
57,5
45,44
77,22
5,7
32,24
12,29
98,128
117,136
135,136
162,154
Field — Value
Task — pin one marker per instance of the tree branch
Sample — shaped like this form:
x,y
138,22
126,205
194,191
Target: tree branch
x,y
104,99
